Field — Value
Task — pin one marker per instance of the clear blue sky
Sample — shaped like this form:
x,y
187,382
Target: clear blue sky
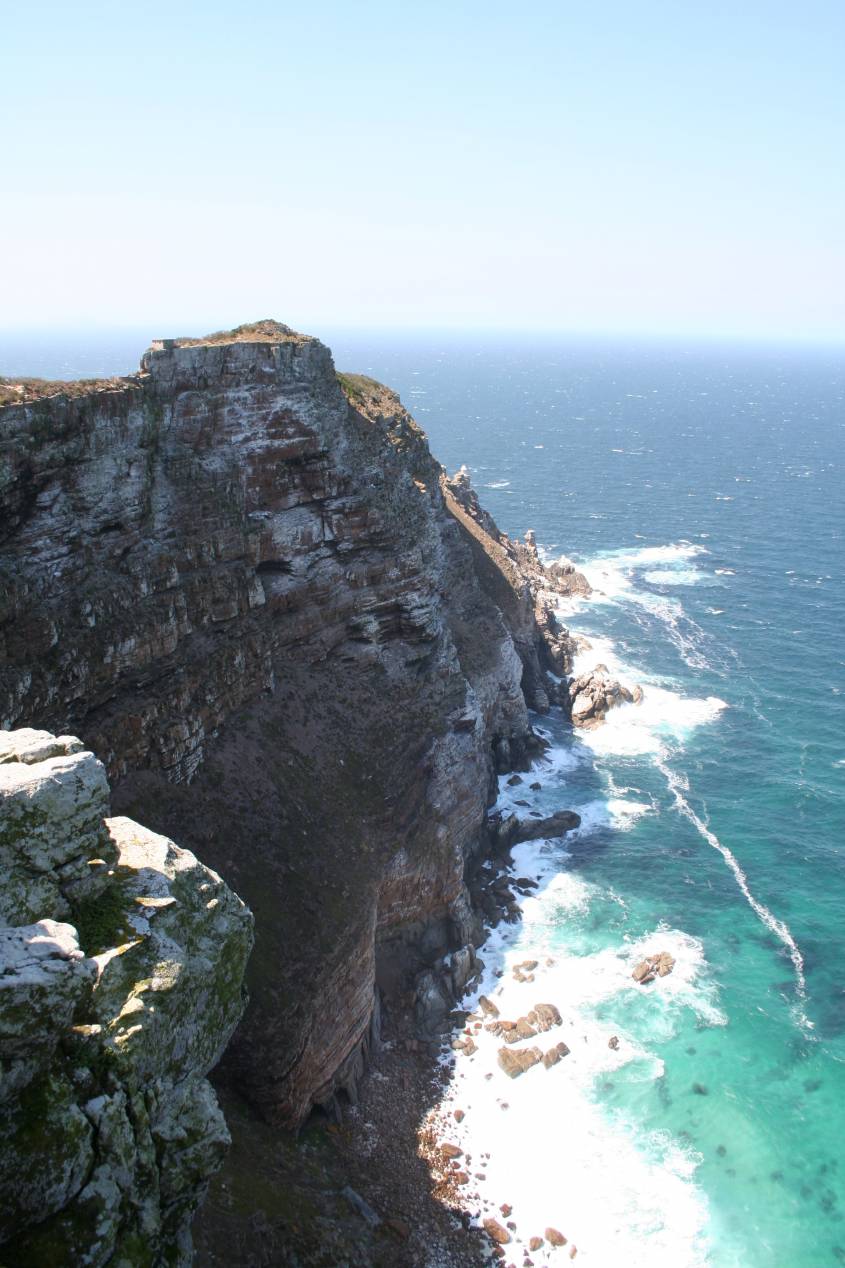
x,y
641,166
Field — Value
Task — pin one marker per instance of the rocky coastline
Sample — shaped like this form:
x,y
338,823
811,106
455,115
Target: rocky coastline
x,y
303,651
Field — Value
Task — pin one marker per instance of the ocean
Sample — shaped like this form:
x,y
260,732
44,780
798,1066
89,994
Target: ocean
x,y
700,488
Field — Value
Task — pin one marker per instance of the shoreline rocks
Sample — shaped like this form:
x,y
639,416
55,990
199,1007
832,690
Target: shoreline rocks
x,y
659,964
594,693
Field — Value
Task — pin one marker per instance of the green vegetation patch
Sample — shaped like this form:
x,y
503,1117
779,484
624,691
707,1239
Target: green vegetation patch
x,y
102,920
358,387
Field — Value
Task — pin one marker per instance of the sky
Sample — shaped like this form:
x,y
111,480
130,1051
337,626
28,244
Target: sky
x,y
649,167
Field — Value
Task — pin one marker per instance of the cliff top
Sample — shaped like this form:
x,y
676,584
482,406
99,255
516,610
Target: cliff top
x,y
20,391
24,390
266,331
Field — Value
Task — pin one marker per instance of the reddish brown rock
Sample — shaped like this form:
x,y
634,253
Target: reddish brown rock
x,y
547,1016
554,1237
515,1061
496,1231
554,1055
658,964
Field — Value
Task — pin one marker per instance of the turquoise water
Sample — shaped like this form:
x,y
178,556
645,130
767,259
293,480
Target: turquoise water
x,y
702,490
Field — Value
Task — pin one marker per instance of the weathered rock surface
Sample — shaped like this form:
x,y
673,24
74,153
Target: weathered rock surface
x,y
245,583
658,964
524,589
121,968
592,694
515,1061
496,1232
555,1055
510,830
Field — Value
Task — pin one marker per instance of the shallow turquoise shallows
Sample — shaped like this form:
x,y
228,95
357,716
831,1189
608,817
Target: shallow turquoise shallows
x,y
701,489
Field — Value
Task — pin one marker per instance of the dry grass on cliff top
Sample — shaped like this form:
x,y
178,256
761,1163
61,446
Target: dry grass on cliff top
x,y
266,331
22,391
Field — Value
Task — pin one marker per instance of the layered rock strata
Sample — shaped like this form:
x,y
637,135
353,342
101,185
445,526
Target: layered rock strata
x,y
121,969
525,590
298,648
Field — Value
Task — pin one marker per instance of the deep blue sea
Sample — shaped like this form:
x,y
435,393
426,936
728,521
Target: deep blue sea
x,y
701,488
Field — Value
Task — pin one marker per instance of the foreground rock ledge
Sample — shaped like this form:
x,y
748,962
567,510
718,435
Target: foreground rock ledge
x,y
121,970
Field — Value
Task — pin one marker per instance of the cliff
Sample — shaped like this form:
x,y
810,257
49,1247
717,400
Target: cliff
x,y
299,649
121,969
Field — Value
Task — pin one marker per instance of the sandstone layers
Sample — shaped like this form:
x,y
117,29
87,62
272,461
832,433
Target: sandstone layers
x,y
121,969
298,648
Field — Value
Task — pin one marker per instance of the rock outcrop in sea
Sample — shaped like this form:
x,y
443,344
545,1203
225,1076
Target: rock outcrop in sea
x,y
300,650
121,980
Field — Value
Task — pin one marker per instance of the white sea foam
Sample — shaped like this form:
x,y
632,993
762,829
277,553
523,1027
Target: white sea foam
x,y
678,785
613,578
661,715
676,577
497,484
619,1195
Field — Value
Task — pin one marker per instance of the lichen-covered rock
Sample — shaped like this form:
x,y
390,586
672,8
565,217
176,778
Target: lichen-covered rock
x,y
109,1020
54,798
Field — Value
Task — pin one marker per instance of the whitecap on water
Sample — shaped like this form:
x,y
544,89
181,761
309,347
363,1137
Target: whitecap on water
x,y
677,577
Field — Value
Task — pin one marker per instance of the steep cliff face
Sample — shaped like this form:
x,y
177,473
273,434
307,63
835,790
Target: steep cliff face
x,y
244,581
121,969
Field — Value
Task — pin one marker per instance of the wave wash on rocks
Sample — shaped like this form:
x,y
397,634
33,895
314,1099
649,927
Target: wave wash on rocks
x,y
121,980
